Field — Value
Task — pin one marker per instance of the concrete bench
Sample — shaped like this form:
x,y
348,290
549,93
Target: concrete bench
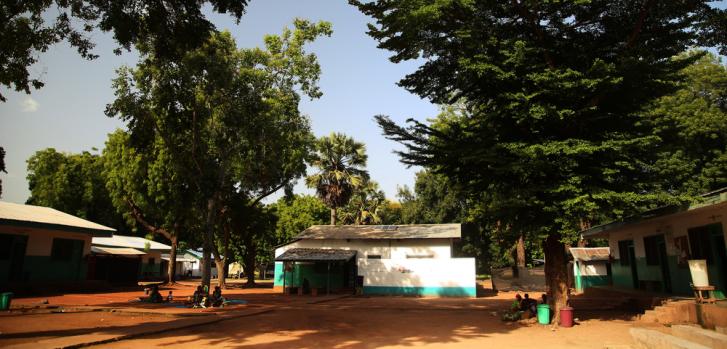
x,y
651,339
701,336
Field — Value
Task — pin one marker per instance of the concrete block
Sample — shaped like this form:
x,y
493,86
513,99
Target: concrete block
x,y
651,339
695,334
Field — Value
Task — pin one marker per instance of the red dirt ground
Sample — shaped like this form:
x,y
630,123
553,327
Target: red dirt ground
x,y
298,322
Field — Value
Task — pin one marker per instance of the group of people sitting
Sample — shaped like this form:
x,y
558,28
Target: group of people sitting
x,y
523,307
202,299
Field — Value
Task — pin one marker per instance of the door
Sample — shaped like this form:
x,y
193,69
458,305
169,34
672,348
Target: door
x,y
707,242
664,265
17,257
634,269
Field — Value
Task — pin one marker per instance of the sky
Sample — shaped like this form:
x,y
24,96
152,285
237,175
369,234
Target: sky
x,y
358,81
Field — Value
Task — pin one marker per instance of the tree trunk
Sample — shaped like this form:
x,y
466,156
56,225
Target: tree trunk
x,y
520,251
249,260
208,240
556,275
172,268
220,264
333,216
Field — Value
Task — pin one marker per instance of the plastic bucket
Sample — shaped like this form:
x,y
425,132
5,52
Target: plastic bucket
x,y
5,299
698,269
543,314
566,317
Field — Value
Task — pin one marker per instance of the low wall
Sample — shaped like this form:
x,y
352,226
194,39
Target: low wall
x,y
422,277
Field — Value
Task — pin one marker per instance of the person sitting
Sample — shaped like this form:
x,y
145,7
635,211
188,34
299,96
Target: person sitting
x,y
216,300
155,296
198,298
515,313
529,306
170,298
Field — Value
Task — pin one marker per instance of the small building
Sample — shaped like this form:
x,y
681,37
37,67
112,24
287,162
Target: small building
x,y
119,258
591,267
392,260
650,251
187,264
41,244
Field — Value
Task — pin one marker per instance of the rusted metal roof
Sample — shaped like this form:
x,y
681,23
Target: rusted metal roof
x,y
315,254
408,231
590,253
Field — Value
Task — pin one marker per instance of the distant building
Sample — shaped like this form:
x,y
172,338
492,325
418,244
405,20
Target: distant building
x,y
591,267
391,259
120,258
41,244
650,251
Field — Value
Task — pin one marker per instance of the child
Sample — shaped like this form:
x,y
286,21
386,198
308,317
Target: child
x,y
170,298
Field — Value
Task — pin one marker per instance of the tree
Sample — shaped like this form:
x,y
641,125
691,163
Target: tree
x,y
173,27
297,213
148,190
365,205
692,126
434,200
2,168
229,117
554,94
72,183
341,163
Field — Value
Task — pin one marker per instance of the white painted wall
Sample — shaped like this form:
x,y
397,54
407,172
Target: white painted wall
x,y
40,241
454,272
593,269
387,249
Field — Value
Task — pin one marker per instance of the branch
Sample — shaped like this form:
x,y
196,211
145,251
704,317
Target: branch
x,y
139,217
639,24
267,193
538,32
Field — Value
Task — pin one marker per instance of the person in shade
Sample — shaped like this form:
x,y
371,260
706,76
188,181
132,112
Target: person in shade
x,y
155,296
217,300
198,298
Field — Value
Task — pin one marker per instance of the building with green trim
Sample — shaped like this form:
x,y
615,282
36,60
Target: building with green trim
x,y
650,251
145,264
41,245
387,260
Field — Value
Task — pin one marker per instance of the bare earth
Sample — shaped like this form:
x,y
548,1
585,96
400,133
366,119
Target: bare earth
x,y
305,322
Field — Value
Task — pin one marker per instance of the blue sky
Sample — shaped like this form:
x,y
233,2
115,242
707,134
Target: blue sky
x,y
358,82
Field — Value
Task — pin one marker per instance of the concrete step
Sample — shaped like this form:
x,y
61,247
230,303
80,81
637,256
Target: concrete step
x,y
708,338
651,339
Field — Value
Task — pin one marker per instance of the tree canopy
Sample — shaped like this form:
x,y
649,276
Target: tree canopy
x,y
341,169
553,93
172,27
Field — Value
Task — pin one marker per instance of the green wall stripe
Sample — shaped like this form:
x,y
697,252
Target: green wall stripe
x,y
421,291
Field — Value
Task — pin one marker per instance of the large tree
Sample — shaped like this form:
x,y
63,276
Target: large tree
x,y
297,213
30,27
2,168
230,117
72,183
554,93
146,188
341,168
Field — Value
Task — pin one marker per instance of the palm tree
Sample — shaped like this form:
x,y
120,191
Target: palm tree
x,y
365,205
341,163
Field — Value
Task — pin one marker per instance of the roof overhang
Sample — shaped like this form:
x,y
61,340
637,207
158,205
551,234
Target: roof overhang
x,y
56,227
117,251
316,255
590,253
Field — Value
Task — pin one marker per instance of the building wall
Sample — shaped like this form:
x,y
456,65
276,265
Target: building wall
x,y
151,270
672,227
38,264
399,271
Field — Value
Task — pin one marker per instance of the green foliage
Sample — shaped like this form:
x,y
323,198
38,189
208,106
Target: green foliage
x,y
551,131
341,164
365,205
72,183
692,125
172,27
296,214
434,200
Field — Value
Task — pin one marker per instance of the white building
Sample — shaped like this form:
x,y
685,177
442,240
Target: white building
x,y
126,258
392,259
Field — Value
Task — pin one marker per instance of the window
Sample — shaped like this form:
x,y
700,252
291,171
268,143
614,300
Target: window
x,y
699,241
6,244
651,249
623,251
373,256
62,249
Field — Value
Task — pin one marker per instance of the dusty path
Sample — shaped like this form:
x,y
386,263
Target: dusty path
x,y
390,323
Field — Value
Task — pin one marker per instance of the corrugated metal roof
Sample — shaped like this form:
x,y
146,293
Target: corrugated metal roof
x,y
316,254
181,258
119,251
590,253
129,241
409,231
48,218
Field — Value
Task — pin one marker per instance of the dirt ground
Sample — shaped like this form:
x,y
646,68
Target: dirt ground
x,y
308,322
